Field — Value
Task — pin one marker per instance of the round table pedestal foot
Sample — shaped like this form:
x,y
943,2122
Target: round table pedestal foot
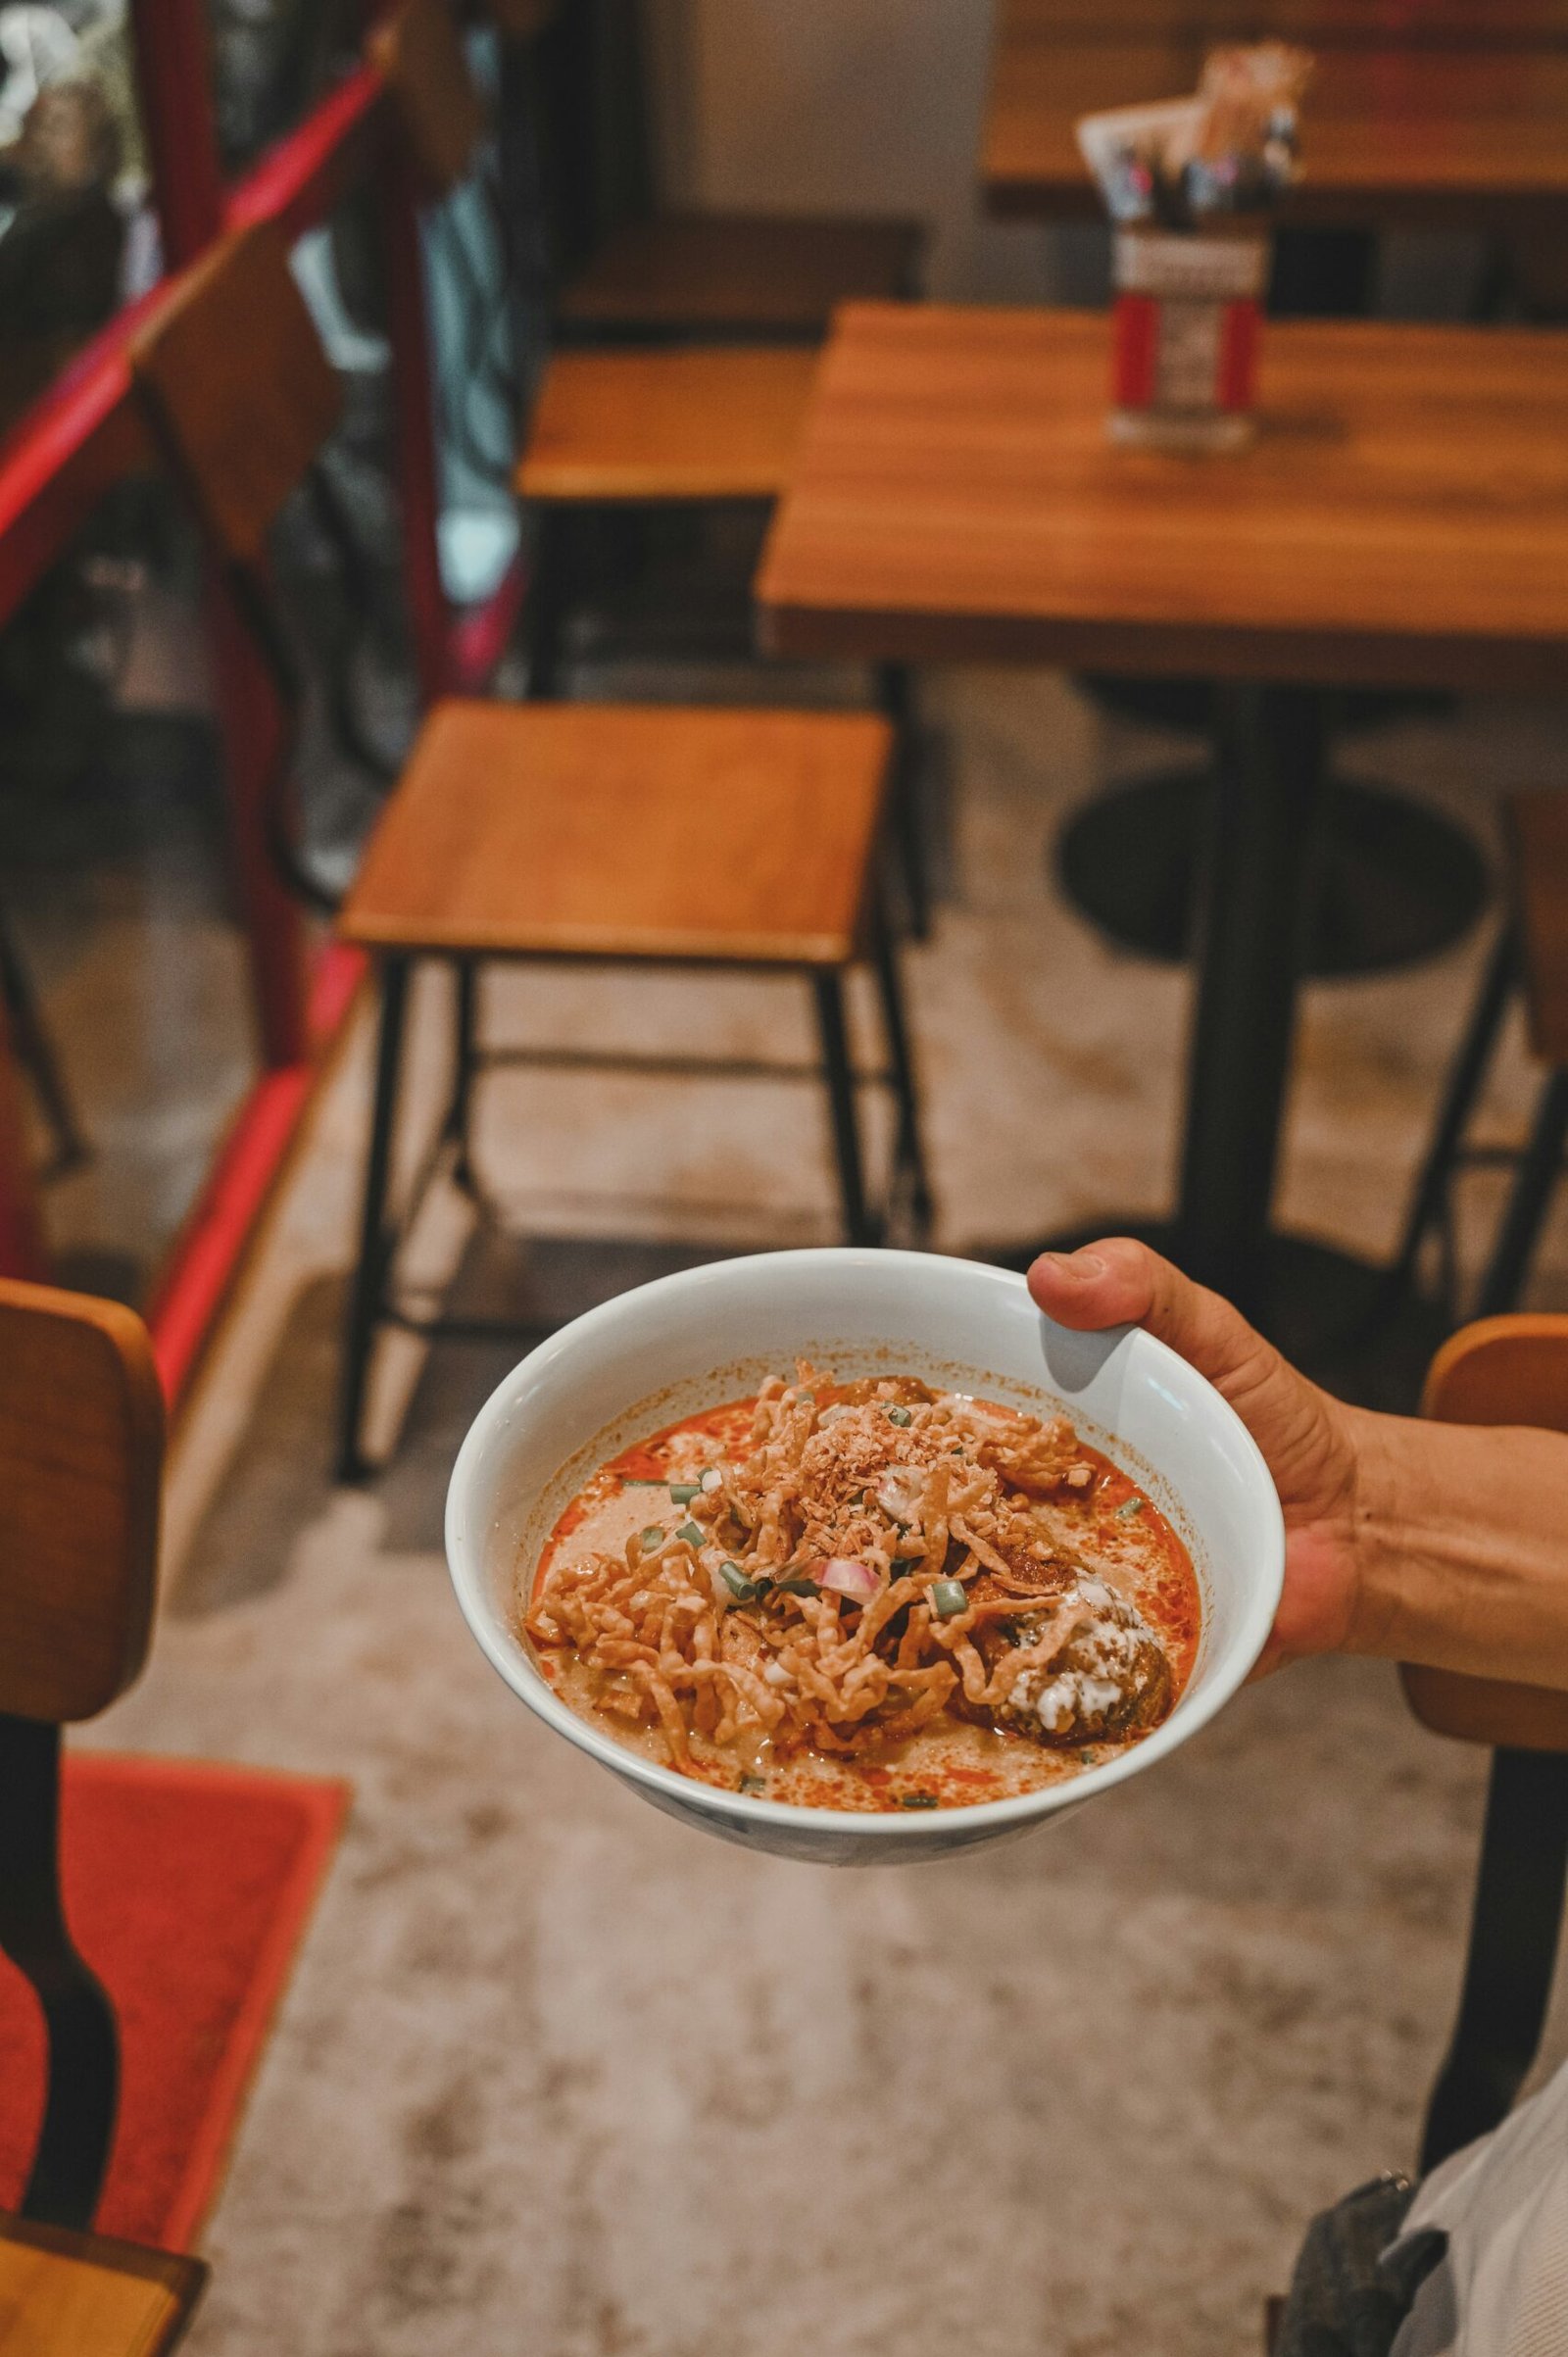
x,y
1339,1318
1399,882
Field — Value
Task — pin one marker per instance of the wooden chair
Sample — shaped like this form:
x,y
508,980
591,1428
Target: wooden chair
x,y
1502,1370
80,1450
625,265
639,835
1531,956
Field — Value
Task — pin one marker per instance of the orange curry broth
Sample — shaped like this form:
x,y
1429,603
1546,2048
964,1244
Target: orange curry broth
x,y
952,1763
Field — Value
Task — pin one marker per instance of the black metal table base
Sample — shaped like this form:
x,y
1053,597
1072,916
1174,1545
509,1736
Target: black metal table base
x,y
1396,882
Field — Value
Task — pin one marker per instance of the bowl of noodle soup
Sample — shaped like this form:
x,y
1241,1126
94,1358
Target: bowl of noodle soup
x,y
807,1548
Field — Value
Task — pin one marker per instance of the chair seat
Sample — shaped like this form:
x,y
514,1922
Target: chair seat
x,y
627,831
1538,828
771,273
1494,1711
86,2295
691,424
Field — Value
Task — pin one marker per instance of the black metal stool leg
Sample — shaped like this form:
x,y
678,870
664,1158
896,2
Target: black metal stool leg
x,y
908,1153
35,1054
1513,1950
1429,1202
376,1240
548,595
82,2088
465,1065
897,700
837,1072
1537,1176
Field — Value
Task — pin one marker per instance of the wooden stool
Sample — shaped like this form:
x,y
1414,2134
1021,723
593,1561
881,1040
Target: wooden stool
x,y
1530,955
1503,1371
640,835
80,1456
645,835
625,266
693,423
693,426
614,433
767,273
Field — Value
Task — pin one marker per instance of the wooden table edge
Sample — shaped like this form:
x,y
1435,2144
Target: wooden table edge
x,y
1212,649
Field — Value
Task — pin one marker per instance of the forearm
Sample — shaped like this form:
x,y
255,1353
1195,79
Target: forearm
x,y
1462,1547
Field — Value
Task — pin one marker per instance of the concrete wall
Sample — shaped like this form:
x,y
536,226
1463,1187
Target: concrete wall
x,y
856,105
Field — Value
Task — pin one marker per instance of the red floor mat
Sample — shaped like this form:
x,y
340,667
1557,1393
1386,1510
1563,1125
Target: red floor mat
x,y
187,1888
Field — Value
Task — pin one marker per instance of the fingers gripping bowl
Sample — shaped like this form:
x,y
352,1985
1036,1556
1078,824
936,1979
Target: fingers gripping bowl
x,y
889,1325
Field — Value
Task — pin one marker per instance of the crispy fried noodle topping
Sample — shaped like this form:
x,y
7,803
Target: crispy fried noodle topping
x,y
879,1555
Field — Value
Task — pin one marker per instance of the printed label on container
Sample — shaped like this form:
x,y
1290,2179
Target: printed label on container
x,y
1225,270
1183,355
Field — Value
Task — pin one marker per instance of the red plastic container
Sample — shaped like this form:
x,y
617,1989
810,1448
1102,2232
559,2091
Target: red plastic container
x,y
1185,337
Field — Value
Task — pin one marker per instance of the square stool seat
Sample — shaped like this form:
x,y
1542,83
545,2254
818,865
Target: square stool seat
x,y
626,831
70,2294
688,422
771,273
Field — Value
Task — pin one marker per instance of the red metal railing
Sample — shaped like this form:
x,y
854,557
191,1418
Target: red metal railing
x,y
84,435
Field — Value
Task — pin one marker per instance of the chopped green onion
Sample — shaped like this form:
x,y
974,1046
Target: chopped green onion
x,y
751,1784
653,1535
1088,1755
918,1800
900,1415
797,1587
1128,1509
743,1590
947,1598
910,1563
641,1481
681,1492
693,1533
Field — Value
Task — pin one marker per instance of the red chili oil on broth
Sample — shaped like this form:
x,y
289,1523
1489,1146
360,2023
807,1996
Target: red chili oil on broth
x,y
881,1598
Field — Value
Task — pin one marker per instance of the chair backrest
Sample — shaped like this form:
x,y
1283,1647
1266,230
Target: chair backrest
x,y
80,1454
81,1430
1500,1370
238,389
419,49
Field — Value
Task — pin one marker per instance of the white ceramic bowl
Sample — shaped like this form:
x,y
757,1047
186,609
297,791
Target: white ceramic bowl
x,y
685,1343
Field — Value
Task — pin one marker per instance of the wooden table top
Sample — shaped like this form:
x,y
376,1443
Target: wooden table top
x,y
1418,132
1401,519
1373,23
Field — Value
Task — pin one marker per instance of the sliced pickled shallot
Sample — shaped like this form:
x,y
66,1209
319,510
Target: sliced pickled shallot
x,y
846,1576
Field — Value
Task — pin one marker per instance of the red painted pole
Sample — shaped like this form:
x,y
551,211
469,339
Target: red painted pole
x,y
173,68
173,83
251,726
